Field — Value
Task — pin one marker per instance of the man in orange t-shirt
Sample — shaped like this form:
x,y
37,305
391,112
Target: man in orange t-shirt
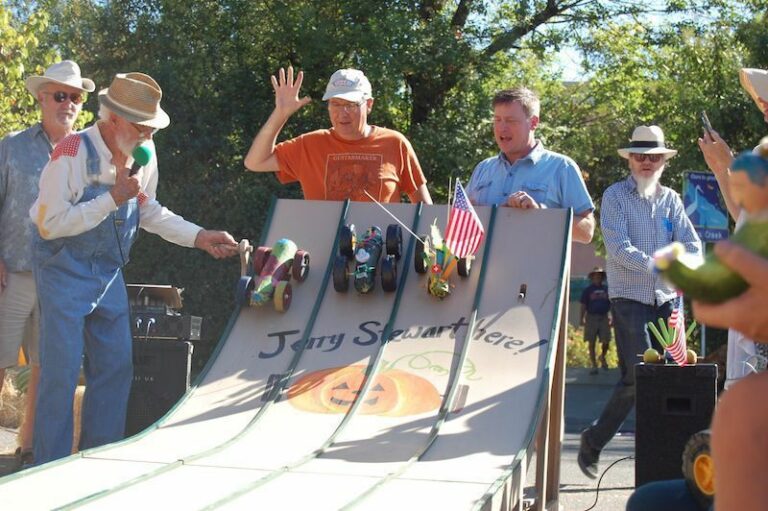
x,y
346,161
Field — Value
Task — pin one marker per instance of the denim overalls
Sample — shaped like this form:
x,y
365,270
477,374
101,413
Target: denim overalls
x,y
84,310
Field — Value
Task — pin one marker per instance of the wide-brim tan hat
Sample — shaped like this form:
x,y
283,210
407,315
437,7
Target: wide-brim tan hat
x,y
647,140
66,72
755,82
136,98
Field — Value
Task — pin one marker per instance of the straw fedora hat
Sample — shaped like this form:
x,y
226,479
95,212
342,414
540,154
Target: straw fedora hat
x,y
66,72
755,82
647,140
136,98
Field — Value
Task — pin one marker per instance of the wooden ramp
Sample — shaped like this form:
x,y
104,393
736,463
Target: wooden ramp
x,y
454,396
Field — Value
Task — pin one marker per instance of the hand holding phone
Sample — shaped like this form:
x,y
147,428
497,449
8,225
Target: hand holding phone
x,y
705,123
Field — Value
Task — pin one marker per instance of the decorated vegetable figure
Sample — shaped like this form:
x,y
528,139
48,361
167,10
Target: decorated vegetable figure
x,y
710,280
366,253
272,270
433,256
666,337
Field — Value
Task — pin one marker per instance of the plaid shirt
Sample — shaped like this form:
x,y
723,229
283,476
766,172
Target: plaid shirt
x,y
633,229
22,157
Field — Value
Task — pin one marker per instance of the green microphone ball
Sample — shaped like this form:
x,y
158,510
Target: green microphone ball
x,y
141,156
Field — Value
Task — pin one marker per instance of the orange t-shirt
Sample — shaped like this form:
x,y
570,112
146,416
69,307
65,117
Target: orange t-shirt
x,y
330,168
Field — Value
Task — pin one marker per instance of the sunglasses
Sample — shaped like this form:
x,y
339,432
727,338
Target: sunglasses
x,y
61,96
639,157
144,131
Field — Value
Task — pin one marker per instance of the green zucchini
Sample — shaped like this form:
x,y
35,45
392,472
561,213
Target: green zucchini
x,y
710,280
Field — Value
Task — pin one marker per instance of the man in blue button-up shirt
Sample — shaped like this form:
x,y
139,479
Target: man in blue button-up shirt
x,y
638,216
526,175
60,92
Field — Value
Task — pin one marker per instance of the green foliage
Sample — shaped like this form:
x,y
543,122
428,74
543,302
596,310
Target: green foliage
x,y
434,67
577,350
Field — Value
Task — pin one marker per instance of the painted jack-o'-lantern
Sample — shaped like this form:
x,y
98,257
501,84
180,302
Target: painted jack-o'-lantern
x,y
393,392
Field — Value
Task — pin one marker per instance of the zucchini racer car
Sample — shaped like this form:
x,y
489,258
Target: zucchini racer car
x,y
272,271
432,254
365,253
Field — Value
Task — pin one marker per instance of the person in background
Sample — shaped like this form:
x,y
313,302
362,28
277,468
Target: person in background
x,y
60,93
525,174
352,160
87,216
596,317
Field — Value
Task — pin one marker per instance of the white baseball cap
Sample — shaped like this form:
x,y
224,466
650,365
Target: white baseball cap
x,y
348,84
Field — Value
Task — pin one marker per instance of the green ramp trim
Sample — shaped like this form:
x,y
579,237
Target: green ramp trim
x,y
373,367
456,367
276,390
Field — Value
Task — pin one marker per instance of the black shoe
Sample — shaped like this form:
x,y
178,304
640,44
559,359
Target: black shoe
x,y
588,458
24,458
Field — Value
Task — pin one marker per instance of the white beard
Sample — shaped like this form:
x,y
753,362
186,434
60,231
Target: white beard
x,y
124,146
646,186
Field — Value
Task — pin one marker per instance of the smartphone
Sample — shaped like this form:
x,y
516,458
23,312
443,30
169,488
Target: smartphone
x,y
705,123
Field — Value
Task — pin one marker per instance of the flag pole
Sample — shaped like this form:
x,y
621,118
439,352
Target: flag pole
x,y
393,216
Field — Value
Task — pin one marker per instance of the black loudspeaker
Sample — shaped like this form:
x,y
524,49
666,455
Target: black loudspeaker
x,y
672,403
160,378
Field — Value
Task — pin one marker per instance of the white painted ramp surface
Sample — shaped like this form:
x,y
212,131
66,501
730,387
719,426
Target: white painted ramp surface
x,y
229,444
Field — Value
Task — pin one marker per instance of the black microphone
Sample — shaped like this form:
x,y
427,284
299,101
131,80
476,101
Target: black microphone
x,y
141,156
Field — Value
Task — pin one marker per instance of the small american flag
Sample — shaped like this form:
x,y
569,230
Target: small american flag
x,y
676,320
464,232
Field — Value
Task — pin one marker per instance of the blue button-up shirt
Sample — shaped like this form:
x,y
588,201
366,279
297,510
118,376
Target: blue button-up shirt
x,y
552,179
633,229
23,155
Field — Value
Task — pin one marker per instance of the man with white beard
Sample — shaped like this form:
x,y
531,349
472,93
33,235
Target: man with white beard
x,y
88,212
638,217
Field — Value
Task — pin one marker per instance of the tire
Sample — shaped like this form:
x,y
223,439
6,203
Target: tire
x,y
243,290
419,262
389,274
282,296
464,266
347,240
340,277
394,241
698,469
300,268
260,259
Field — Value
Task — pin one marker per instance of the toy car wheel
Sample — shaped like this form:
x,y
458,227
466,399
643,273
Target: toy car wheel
x,y
340,277
243,290
260,259
698,469
419,256
394,241
464,266
282,296
347,240
300,268
389,273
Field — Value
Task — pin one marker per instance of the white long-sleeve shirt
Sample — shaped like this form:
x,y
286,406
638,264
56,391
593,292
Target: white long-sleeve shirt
x,y
57,213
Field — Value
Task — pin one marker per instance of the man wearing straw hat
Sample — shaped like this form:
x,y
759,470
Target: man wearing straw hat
x,y
596,317
60,92
638,217
88,212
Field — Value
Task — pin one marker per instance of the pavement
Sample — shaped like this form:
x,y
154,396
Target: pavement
x,y
585,396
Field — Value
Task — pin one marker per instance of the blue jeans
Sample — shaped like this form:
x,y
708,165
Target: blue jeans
x,y
671,495
629,321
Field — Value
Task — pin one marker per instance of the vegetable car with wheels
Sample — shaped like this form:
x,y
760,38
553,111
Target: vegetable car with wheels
x,y
272,268
434,256
365,253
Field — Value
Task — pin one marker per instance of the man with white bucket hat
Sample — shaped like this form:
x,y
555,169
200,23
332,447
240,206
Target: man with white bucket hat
x,y
60,93
638,216
87,214
352,160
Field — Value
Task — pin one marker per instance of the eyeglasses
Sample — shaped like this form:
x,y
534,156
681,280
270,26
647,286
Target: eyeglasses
x,y
60,96
639,157
144,131
346,107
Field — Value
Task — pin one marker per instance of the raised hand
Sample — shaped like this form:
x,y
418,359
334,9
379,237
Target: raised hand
x,y
287,100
